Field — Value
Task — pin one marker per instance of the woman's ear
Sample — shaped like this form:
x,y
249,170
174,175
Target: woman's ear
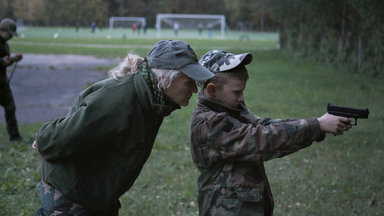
x,y
211,89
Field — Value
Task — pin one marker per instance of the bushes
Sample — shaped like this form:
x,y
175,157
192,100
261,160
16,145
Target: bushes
x,y
347,33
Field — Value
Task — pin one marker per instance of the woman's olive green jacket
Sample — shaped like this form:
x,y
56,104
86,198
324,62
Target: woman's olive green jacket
x,y
95,153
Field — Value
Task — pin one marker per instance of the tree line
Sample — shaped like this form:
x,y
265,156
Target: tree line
x,y
85,12
345,32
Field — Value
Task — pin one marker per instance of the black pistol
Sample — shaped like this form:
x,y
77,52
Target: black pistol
x,y
348,112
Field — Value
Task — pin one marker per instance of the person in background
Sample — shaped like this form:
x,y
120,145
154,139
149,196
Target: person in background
x,y
176,28
210,30
7,31
94,154
133,27
229,144
200,29
93,27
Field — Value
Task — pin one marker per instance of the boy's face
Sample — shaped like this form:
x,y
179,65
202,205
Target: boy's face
x,y
231,93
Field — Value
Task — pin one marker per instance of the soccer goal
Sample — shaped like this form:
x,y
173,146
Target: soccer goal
x,y
203,25
126,22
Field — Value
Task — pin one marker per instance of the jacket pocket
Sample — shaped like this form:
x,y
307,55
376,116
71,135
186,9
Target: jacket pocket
x,y
252,195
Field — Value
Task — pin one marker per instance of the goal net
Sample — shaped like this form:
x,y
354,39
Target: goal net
x,y
126,22
190,25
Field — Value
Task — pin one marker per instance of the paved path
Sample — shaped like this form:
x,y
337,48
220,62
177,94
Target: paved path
x,y
45,86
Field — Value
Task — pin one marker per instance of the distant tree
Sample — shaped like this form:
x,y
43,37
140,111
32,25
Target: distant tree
x,y
249,14
370,40
83,12
3,8
8,9
346,32
31,11
96,11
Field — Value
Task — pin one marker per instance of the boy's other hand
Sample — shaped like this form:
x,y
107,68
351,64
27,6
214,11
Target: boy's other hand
x,y
334,124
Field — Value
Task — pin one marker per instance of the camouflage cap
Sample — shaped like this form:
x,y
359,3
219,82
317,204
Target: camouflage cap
x,y
218,60
8,25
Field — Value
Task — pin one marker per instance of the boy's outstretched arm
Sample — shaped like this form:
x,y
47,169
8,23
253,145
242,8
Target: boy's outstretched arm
x,y
217,137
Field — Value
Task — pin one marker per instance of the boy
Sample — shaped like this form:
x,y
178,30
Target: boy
x,y
229,144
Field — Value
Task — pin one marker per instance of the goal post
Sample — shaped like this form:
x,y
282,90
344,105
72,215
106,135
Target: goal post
x,y
126,21
190,21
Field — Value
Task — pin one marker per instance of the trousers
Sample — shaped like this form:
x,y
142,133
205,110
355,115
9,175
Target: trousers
x,y
53,203
7,102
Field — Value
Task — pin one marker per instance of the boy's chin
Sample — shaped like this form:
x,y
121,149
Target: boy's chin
x,y
184,103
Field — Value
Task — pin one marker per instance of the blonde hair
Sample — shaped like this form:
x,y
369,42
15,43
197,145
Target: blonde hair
x,y
130,65
167,76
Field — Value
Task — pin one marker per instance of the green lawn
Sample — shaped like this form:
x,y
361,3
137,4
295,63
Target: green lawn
x,y
343,175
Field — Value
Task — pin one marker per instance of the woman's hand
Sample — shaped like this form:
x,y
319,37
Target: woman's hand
x,y
34,145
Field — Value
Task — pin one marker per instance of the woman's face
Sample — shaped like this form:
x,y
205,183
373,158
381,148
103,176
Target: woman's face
x,y
181,89
5,35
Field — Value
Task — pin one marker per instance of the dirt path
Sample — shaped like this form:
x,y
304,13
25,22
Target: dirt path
x,y
45,86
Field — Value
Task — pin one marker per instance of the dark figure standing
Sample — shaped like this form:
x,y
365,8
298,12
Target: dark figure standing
x,y
7,31
200,29
93,27
145,29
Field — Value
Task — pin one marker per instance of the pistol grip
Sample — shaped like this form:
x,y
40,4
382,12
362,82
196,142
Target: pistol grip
x,y
355,122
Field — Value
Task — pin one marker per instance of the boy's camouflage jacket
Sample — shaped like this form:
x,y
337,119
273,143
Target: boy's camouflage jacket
x,y
229,147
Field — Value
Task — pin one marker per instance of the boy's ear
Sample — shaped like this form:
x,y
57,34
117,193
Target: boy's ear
x,y
211,89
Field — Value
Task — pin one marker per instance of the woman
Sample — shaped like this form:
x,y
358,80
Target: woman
x,y
94,154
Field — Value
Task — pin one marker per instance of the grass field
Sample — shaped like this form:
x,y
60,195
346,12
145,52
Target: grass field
x,y
343,175
106,33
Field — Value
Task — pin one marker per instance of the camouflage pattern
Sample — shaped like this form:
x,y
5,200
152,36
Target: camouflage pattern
x,y
53,203
229,147
6,97
218,60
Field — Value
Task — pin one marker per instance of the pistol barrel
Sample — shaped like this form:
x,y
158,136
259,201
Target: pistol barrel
x,y
348,112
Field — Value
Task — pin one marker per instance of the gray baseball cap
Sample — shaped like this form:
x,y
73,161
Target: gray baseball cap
x,y
177,55
218,60
8,25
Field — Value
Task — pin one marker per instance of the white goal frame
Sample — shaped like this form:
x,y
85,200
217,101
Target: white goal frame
x,y
221,18
142,20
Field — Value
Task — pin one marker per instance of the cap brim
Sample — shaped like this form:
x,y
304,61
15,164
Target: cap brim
x,y
197,72
236,60
246,59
